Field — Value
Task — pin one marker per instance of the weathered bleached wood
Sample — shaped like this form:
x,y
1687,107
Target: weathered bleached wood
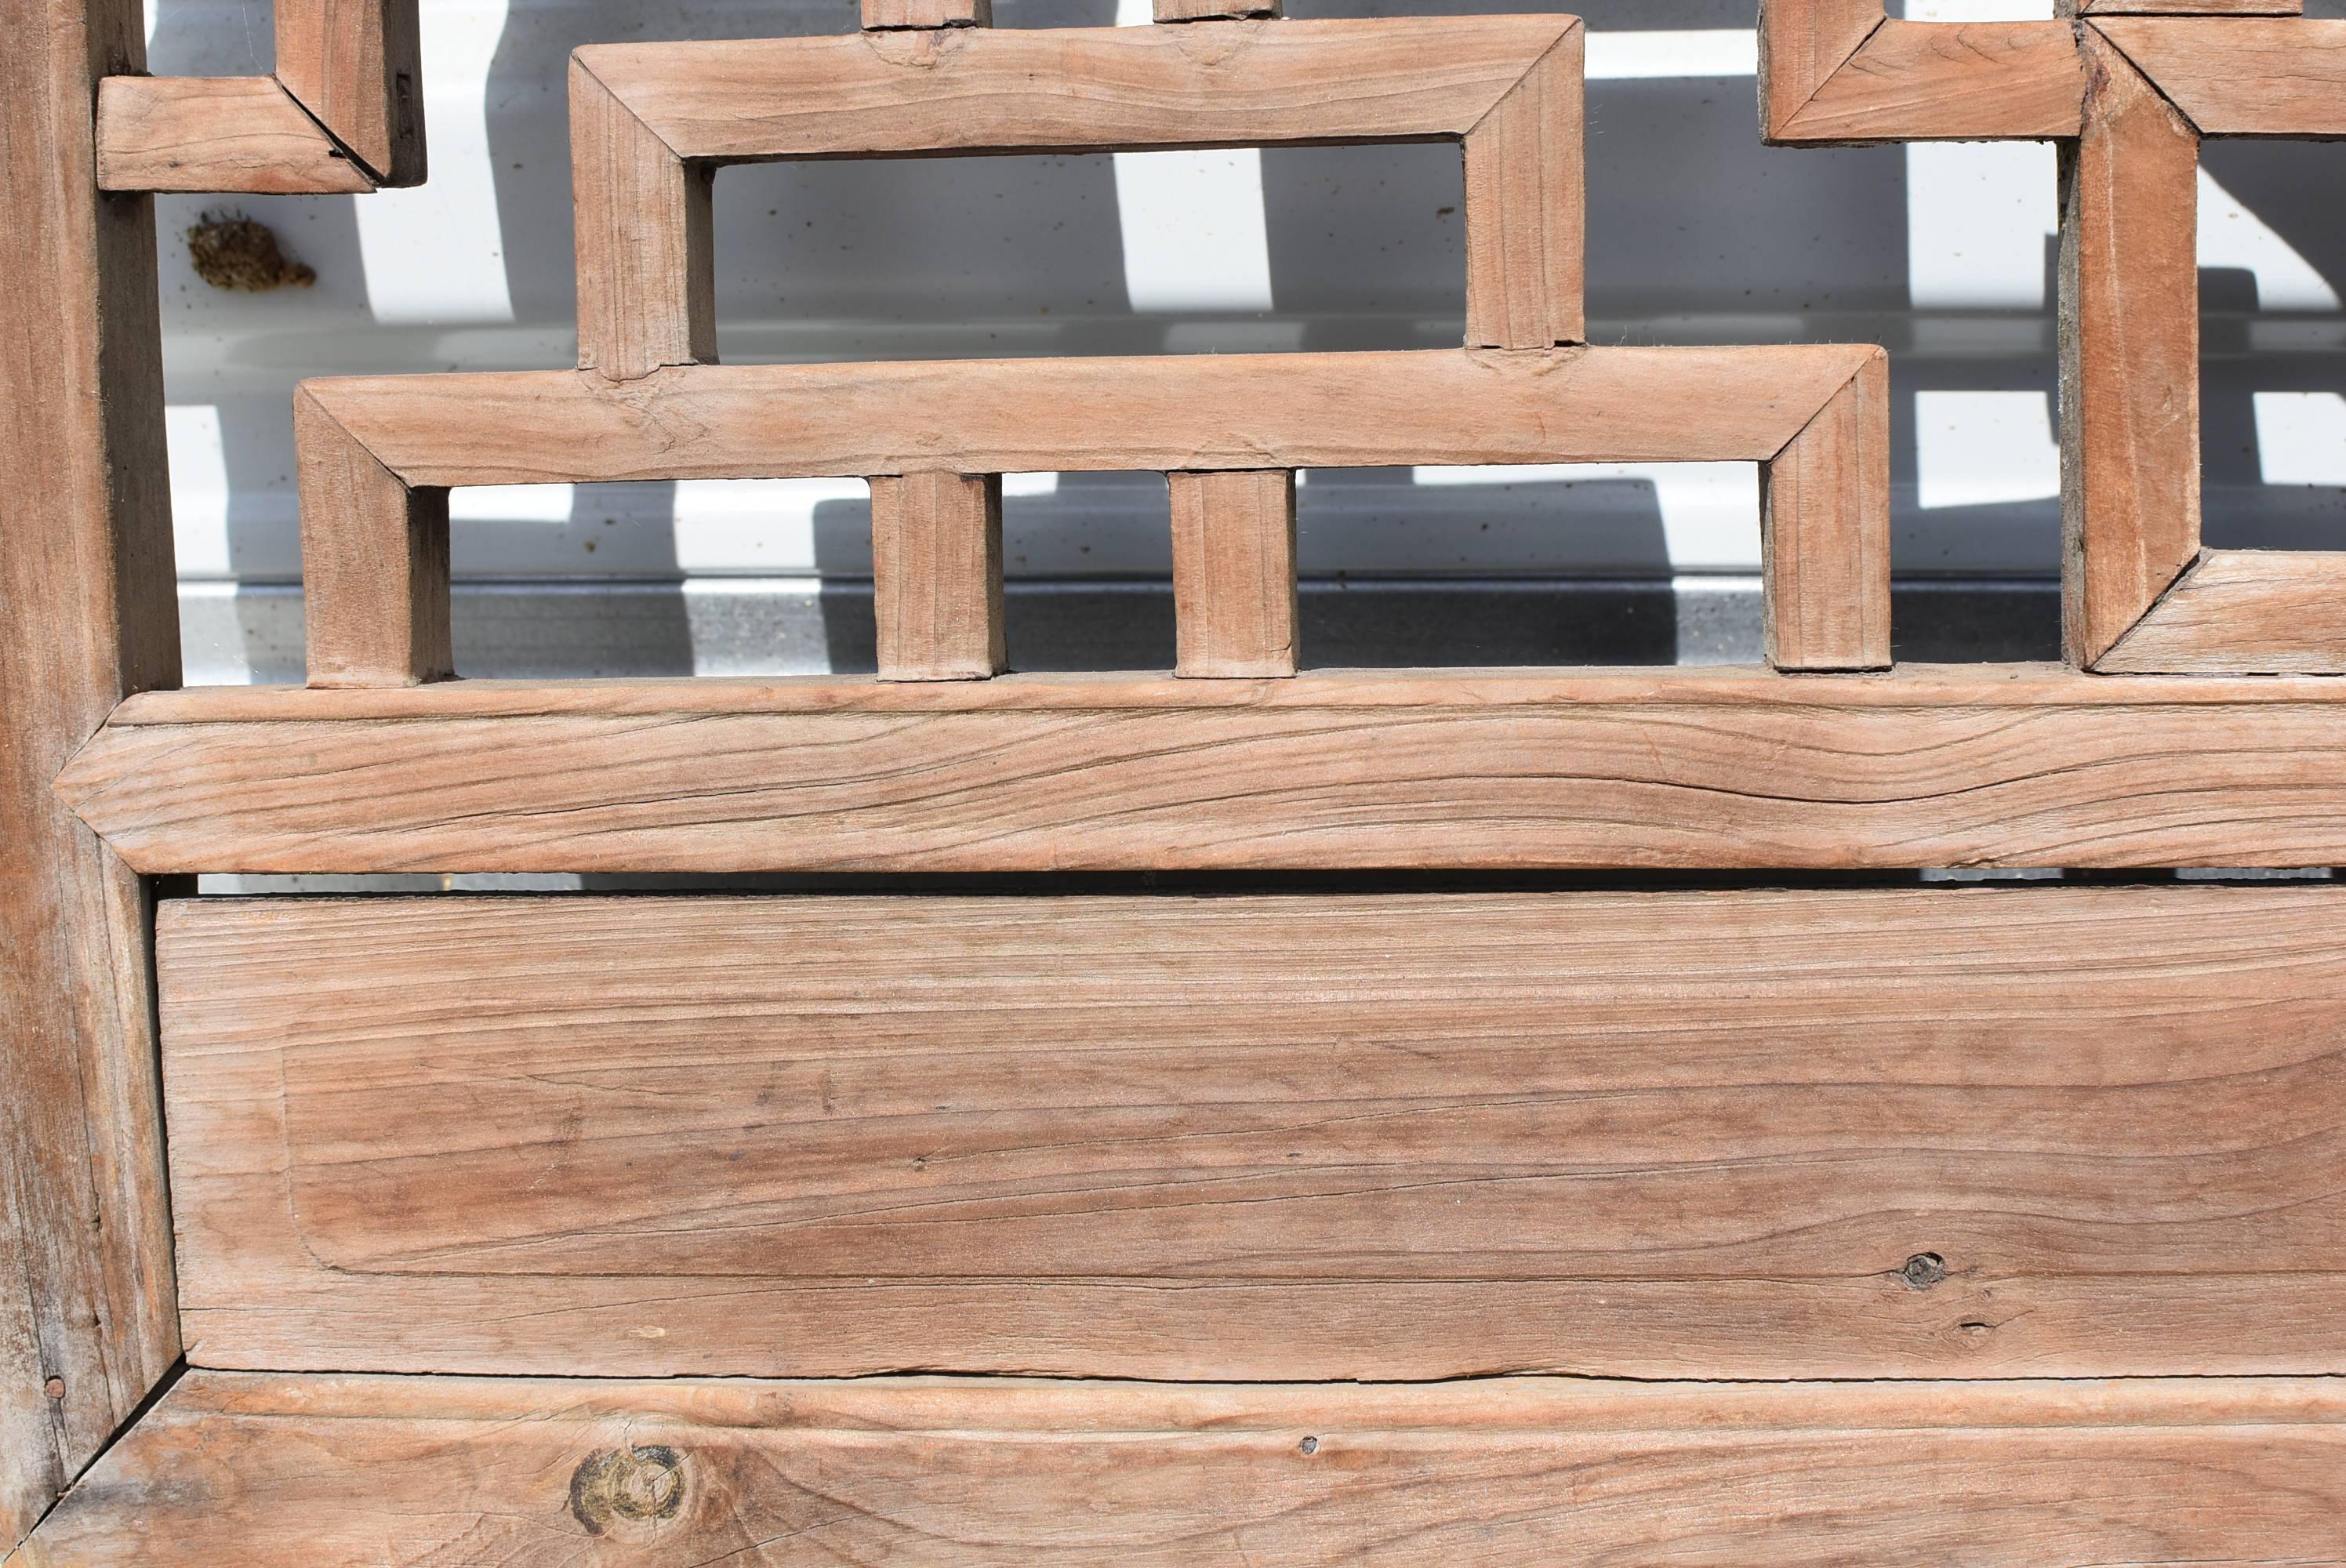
x,y
2244,612
257,1472
2243,76
1712,1133
936,575
1212,10
1234,607
215,133
375,563
1948,81
1526,208
1193,412
358,66
989,90
646,240
1190,413
2188,7
87,613
2129,322
1509,87
887,13
1824,534
2023,766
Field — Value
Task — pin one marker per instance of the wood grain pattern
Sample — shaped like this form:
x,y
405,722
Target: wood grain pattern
x,y
215,133
936,576
1508,86
1094,89
2243,76
646,240
1801,43
375,563
87,613
1526,208
886,14
254,1471
2129,328
2009,765
2245,612
1168,412
976,417
1212,10
2190,8
1824,535
1936,81
1234,607
358,66
833,1135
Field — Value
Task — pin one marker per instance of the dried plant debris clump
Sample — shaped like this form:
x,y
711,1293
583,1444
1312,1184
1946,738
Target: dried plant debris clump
x,y
232,251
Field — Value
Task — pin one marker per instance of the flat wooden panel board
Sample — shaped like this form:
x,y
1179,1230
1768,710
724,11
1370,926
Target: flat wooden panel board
x,y
215,133
2026,766
252,1472
1444,407
1847,1134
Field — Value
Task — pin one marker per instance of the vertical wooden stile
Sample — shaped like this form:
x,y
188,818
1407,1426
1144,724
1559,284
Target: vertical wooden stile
x,y
89,614
936,575
1824,532
357,66
1234,605
1526,208
2129,325
647,267
375,563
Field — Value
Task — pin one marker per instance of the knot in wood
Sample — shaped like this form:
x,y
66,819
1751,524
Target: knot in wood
x,y
639,1485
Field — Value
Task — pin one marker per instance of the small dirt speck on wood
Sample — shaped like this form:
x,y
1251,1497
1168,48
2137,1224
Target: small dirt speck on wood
x,y
231,250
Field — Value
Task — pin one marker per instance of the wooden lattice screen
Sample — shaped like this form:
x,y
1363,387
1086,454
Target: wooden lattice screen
x,y
1977,1225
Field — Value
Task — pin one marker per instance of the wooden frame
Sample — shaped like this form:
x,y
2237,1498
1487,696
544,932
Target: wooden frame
x,y
652,122
378,453
2129,97
344,113
2150,1072
235,1470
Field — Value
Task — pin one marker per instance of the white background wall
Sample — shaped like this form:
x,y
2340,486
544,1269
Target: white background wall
x,y
1697,234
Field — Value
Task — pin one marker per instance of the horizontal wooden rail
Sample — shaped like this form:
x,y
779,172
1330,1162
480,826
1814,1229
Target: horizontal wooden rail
x,y
343,114
257,1472
2240,76
651,120
216,134
1844,71
2016,765
1898,1133
376,451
